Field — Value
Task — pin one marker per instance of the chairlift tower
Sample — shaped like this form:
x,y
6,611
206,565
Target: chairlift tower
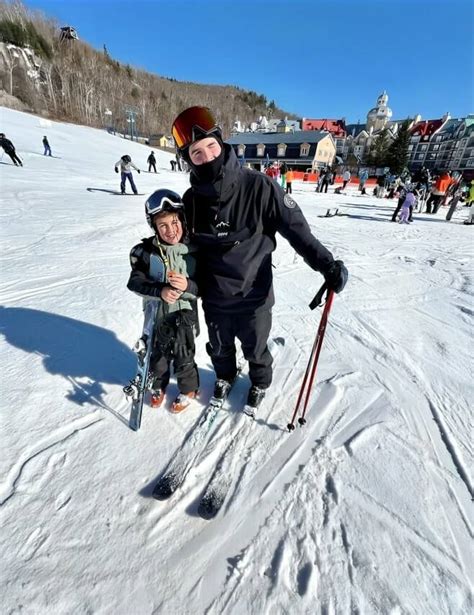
x,y
131,113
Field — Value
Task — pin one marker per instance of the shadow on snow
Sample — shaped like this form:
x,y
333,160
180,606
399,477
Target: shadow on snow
x,y
70,348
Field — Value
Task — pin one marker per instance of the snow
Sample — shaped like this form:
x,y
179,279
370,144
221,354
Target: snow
x,y
364,510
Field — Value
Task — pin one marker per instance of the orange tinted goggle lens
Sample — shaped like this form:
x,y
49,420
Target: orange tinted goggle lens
x,y
184,124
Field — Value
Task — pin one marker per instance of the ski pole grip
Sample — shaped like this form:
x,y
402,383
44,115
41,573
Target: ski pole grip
x,y
318,297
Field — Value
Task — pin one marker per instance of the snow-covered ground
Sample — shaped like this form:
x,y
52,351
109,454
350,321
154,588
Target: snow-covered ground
x,y
365,510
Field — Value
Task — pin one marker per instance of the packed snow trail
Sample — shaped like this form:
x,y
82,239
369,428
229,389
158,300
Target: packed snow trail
x,y
366,509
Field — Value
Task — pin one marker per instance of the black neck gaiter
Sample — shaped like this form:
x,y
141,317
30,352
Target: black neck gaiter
x,y
208,172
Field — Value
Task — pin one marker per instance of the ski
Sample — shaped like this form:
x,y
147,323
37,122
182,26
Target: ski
x,y
176,472
138,387
223,476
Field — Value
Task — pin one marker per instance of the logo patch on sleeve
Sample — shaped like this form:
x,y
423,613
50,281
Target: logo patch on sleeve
x,y
289,202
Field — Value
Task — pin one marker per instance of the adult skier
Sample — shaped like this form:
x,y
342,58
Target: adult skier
x,y
125,164
9,149
346,178
233,215
151,160
47,147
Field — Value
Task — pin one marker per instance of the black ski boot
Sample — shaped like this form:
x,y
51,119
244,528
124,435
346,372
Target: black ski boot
x,y
254,399
221,389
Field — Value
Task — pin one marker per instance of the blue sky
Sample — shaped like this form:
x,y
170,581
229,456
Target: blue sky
x,y
314,58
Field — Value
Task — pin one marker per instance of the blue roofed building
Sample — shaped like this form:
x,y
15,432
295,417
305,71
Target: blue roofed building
x,y
301,150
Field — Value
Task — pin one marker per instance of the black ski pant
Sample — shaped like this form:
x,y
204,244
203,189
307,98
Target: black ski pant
x,y
174,347
151,165
252,330
324,186
13,155
288,188
436,200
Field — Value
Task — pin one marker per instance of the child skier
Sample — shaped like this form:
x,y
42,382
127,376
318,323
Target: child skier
x,y
162,266
125,163
407,208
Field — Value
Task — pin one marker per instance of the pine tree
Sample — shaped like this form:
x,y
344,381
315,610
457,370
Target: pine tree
x,y
397,156
378,152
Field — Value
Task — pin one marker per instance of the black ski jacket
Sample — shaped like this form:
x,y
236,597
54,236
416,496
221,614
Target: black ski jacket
x,y
233,222
7,145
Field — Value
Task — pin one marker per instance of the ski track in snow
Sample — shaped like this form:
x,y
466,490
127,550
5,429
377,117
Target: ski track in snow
x,y
365,510
8,487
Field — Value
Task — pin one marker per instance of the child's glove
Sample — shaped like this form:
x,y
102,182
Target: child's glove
x,y
116,170
138,171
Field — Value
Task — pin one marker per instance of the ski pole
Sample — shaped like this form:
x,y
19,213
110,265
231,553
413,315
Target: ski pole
x,y
314,356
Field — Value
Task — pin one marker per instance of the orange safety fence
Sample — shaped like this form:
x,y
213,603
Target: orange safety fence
x,y
313,177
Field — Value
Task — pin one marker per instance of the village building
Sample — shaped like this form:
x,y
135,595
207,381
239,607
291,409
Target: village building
x,y
302,150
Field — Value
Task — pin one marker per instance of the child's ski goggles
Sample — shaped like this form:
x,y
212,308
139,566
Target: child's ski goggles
x,y
190,123
163,200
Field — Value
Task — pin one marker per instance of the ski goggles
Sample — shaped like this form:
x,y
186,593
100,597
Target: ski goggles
x,y
159,202
190,123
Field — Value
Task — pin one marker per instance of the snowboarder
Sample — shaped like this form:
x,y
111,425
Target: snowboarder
x,y
162,267
125,163
151,160
233,214
47,147
9,149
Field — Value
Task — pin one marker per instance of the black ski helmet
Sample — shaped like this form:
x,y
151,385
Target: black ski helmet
x,y
126,158
163,200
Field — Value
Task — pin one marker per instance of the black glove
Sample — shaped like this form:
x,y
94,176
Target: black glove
x,y
116,170
138,171
336,276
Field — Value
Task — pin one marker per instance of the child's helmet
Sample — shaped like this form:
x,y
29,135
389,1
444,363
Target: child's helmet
x,y
162,200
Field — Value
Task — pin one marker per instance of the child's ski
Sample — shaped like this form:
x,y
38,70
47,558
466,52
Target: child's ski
x,y
139,385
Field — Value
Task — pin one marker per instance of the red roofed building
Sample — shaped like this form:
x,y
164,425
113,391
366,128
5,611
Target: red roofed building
x,y
335,127
424,142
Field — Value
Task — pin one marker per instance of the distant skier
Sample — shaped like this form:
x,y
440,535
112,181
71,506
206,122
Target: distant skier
x,y
403,193
9,149
289,181
379,190
151,162
47,148
326,180
283,172
162,266
125,163
173,165
438,191
363,177
346,178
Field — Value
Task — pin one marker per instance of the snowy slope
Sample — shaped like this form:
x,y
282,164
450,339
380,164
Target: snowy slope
x,y
365,510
